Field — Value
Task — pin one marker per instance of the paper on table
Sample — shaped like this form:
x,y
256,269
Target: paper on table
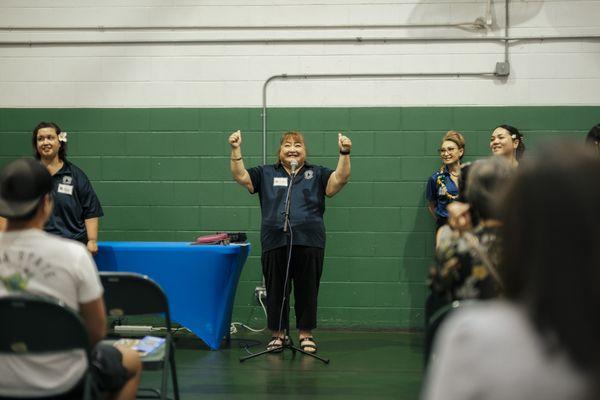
x,y
144,346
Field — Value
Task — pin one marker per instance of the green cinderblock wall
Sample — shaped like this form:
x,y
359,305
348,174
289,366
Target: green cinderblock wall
x,y
163,175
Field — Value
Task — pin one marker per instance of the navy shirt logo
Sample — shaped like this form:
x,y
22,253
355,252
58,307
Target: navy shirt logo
x,y
308,174
67,180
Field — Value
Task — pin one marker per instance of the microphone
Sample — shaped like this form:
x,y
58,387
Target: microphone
x,y
293,165
286,212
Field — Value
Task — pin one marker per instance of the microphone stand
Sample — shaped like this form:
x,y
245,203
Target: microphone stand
x,y
286,209
287,343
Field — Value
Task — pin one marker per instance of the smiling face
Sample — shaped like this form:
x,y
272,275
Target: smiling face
x,y
450,153
502,143
47,143
292,148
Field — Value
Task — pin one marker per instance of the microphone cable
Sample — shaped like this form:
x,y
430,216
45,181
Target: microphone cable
x,y
287,267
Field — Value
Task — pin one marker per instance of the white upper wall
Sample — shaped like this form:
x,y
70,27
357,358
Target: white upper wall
x,y
232,75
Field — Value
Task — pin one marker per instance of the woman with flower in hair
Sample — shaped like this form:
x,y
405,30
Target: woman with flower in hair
x,y
507,141
76,206
442,186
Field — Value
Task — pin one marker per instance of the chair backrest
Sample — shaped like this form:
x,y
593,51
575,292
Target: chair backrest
x,y
37,325
133,294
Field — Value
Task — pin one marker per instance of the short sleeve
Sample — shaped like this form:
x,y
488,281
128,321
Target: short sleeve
x,y
431,189
89,200
325,175
256,176
89,288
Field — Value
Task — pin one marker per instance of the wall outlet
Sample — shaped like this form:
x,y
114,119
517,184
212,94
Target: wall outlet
x,y
260,292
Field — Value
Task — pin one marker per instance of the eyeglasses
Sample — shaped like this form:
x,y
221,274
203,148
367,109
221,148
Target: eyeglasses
x,y
447,150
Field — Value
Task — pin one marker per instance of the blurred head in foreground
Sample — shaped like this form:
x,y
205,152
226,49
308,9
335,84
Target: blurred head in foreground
x,y
551,257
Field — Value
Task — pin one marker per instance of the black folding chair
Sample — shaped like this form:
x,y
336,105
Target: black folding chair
x,y
130,294
34,325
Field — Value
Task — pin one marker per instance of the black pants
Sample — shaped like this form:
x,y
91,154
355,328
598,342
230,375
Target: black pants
x,y
306,267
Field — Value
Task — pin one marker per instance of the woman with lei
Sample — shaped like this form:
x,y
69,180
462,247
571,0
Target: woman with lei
x,y
442,186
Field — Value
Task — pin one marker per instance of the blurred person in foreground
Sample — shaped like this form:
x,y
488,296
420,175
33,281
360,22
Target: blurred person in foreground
x,y
37,263
466,260
541,340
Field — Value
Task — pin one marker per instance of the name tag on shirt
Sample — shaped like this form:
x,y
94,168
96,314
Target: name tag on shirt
x,y
280,182
66,189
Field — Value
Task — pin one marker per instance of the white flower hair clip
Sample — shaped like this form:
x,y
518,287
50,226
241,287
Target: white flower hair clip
x,y
62,137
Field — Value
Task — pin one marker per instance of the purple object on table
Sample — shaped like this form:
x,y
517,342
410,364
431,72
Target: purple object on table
x,y
200,281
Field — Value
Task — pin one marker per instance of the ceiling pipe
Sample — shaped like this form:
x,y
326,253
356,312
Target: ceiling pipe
x,y
353,76
42,43
101,28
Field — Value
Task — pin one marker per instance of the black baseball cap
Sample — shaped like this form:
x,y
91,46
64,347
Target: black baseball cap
x,y
23,183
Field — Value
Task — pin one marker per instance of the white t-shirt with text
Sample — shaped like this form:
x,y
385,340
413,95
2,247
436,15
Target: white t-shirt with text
x,y
36,262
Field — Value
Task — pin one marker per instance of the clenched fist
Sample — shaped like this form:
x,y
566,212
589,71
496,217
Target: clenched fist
x,y
235,139
344,142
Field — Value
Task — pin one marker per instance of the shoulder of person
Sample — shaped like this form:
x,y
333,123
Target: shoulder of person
x,y
75,170
435,175
261,169
317,168
486,321
67,247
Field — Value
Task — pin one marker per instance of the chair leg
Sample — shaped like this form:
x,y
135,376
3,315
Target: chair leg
x,y
174,373
164,381
87,386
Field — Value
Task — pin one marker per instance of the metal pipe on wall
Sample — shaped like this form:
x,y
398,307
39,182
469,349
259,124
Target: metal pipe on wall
x,y
353,40
353,76
506,22
104,28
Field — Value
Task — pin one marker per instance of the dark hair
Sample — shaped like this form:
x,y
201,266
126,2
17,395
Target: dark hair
x,y
593,135
487,180
462,190
462,182
515,134
62,151
551,256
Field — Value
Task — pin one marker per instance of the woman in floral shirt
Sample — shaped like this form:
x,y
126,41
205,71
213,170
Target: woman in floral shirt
x,y
466,261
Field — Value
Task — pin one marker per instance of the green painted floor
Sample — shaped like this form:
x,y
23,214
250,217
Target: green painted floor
x,y
364,365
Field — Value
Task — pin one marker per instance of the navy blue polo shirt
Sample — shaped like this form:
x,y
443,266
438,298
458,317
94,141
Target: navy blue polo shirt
x,y
306,209
74,202
437,193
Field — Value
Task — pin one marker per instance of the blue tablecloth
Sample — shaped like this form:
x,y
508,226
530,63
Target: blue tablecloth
x,y
200,281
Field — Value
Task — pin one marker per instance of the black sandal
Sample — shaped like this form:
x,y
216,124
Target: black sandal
x,y
275,345
308,344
